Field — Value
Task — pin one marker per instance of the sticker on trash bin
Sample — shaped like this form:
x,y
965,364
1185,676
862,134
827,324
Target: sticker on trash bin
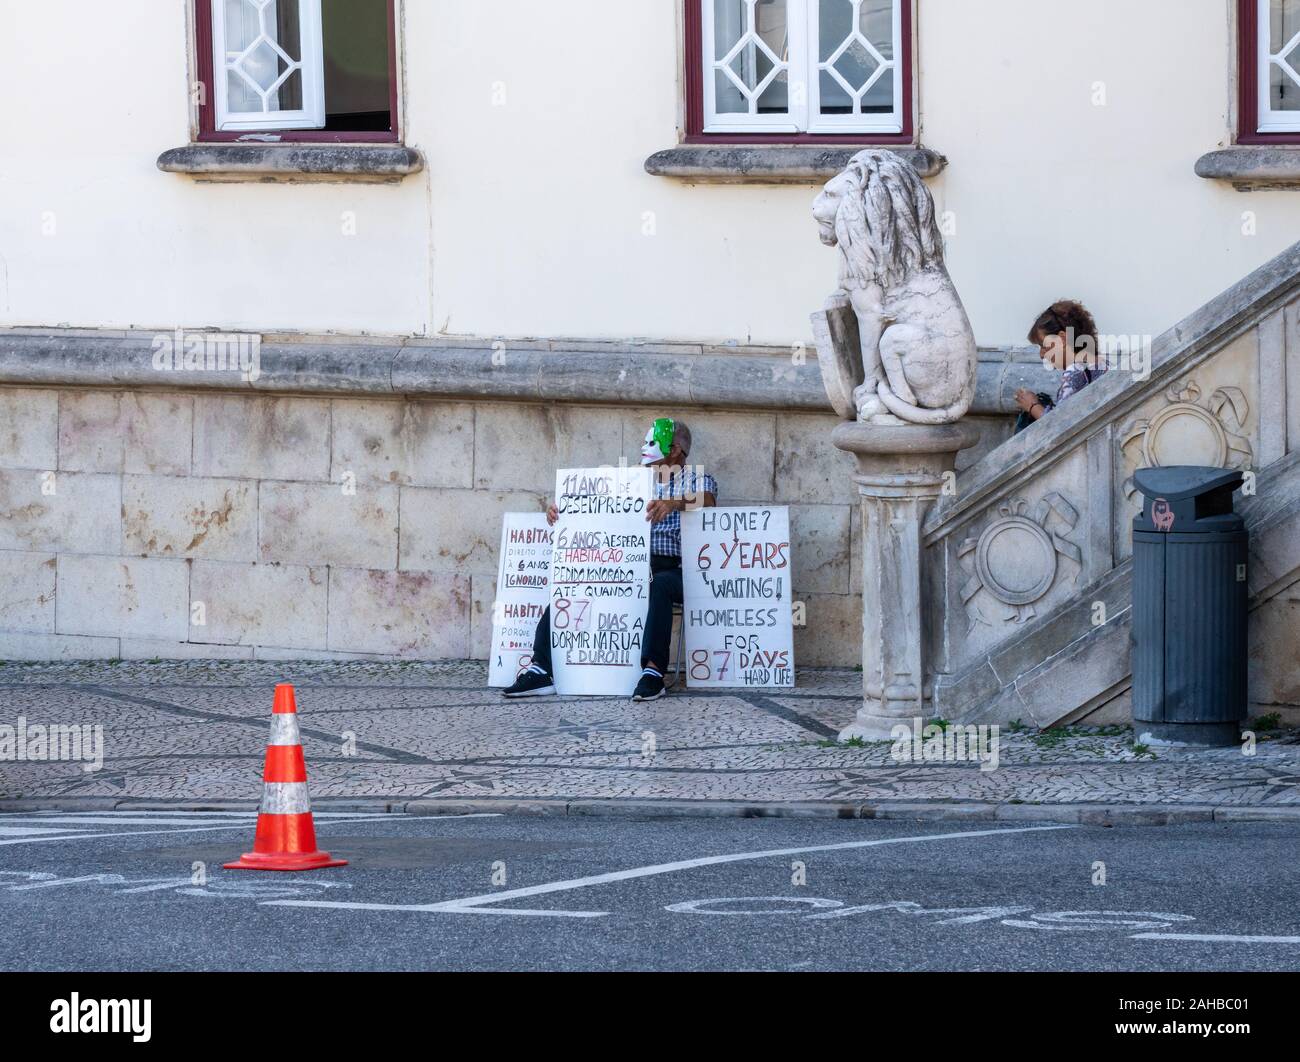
x,y
1162,514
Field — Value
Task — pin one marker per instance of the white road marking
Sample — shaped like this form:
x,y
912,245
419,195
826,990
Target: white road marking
x,y
32,831
1090,921
965,916
117,816
1215,938
87,836
698,906
111,816
86,820
474,904
518,911
54,883
161,886
355,815
245,824
239,888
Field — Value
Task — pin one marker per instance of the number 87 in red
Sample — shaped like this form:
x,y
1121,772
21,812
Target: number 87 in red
x,y
701,671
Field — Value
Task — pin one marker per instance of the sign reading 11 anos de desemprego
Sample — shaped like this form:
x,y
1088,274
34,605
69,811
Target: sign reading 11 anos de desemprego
x,y
600,577
737,617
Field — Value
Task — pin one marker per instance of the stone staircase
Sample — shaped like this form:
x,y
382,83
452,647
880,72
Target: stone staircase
x,y
1029,562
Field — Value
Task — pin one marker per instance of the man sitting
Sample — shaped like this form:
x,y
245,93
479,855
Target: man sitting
x,y
676,488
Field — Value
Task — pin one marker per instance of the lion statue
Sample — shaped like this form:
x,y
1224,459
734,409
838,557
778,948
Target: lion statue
x,y
914,357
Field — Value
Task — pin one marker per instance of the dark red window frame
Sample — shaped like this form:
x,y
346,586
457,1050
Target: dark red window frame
x,y
695,133
208,107
1248,80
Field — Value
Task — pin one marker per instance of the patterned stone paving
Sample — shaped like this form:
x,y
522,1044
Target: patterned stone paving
x,y
196,731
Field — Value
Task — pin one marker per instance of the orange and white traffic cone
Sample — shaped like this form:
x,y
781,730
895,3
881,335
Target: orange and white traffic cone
x,y
286,833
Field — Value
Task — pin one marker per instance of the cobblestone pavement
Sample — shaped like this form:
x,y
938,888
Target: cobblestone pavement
x,y
195,732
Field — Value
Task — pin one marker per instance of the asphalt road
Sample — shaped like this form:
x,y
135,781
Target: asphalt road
x,y
122,891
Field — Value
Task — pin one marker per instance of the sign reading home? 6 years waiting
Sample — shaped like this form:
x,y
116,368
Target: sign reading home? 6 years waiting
x,y
600,577
737,617
523,592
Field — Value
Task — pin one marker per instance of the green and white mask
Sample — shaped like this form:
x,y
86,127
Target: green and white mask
x,y
658,441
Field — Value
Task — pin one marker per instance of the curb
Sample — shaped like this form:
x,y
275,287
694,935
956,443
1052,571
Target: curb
x,y
918,811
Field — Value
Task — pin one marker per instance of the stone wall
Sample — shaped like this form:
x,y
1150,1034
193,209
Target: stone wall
x,y
148,513
149,524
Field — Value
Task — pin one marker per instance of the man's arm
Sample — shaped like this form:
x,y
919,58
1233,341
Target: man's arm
x,y
661,507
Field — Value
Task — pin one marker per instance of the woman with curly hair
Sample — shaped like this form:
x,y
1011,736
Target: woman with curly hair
x,y
1066,336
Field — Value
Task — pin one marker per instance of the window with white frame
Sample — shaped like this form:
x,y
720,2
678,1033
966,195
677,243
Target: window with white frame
x,y
271,72
803,66
1279,66
298,69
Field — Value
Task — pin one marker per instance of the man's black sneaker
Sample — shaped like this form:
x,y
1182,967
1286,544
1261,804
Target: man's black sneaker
x,y
650,688
531,684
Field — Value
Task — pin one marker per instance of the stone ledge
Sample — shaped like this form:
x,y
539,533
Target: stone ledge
x,y
383,162
1253,167
466,368
772,164
1116,814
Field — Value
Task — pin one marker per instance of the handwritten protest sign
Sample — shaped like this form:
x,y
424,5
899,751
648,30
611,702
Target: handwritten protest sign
x,y
523,592
736,584
600,575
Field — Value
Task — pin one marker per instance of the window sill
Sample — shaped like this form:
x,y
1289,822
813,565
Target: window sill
x,y
288,162
1253,168
776,164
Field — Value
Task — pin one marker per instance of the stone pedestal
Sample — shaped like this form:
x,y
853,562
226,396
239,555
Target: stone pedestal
x,y
901,473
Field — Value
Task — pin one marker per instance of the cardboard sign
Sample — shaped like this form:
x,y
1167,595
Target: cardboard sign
x,y
523,592
600,578
736,583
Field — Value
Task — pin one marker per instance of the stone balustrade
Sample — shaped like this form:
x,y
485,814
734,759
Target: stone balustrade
x,y
1033,544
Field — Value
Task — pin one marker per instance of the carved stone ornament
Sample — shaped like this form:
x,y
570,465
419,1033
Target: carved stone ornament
x,y
1191,432
1015,559
913,357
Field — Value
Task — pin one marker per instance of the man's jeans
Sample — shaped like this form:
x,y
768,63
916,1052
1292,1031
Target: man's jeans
x,y
665,592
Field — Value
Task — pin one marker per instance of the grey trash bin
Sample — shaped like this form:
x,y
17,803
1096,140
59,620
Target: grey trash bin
x,y
1189,607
